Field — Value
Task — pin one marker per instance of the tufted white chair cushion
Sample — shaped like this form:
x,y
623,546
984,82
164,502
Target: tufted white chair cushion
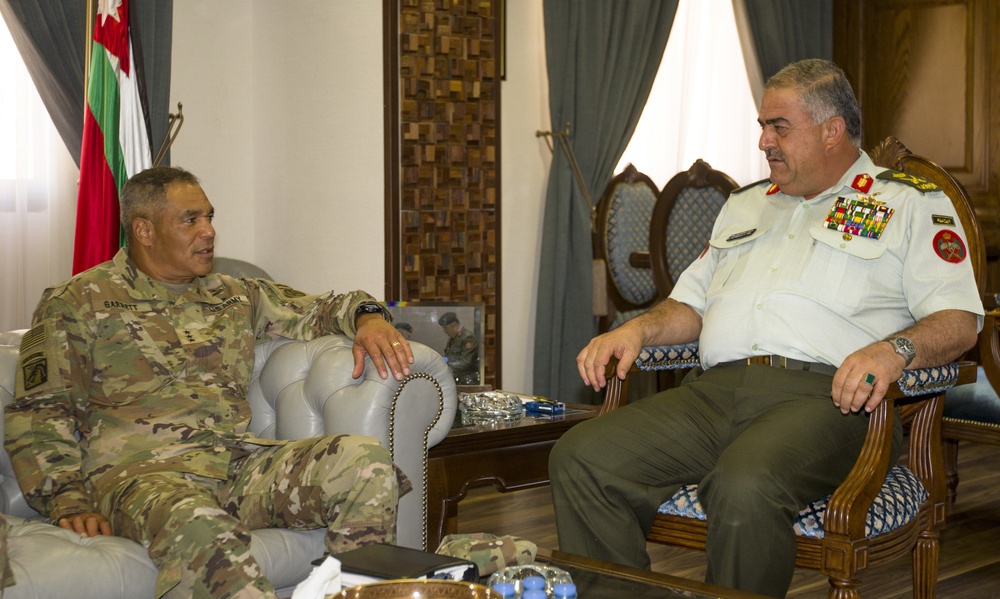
x,y
299,389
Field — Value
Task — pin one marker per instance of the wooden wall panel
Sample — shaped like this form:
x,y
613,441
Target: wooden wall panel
x,y
927,72
445,227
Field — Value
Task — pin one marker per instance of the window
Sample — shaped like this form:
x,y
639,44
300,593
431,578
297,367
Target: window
x,y
37,193
703,78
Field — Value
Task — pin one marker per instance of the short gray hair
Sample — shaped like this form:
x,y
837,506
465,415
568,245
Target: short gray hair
x,y
145,194
824,90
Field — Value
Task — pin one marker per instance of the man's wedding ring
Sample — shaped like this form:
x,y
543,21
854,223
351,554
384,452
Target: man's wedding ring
x,y
395,343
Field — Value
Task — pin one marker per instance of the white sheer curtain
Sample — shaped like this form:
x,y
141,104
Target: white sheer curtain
x,y
37,194
701,105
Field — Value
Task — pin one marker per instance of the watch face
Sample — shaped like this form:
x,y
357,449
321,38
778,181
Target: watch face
x,y
905,345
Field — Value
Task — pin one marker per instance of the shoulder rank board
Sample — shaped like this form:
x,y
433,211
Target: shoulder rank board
x,y
912,180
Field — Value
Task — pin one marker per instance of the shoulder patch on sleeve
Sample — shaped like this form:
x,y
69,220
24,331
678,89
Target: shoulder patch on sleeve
x,y
913,181
35,370
751,186
288,292
33,338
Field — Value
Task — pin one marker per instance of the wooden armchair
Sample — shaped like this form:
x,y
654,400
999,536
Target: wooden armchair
x,y
971,412
881,511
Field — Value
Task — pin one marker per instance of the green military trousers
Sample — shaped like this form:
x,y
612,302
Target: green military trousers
x,y
197,530
760,442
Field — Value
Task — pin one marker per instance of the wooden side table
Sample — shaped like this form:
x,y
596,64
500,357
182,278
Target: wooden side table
x,y
510,456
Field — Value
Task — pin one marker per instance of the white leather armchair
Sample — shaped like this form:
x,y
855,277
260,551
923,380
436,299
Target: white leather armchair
x,y
299,389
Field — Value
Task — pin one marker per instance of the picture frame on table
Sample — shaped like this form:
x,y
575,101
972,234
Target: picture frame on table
x,y
453,329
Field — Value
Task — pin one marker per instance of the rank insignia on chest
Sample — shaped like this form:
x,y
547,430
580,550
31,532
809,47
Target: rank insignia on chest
x,y
864,216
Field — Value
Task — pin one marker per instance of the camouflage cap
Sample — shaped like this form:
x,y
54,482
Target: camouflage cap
x,y
489,552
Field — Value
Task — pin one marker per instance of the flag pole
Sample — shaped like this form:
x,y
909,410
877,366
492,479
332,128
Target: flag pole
x,y
87,46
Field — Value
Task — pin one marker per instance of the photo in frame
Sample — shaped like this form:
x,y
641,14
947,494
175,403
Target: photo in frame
x,y
452,329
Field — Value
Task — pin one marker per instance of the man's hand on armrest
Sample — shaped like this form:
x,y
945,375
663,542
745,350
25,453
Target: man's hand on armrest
x,y
379,339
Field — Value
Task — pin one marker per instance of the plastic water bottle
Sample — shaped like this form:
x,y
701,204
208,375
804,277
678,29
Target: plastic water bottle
x,y
564,590
505,590
533,583
529,580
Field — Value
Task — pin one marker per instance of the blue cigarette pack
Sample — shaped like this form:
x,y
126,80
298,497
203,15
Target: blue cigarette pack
x,y
539,407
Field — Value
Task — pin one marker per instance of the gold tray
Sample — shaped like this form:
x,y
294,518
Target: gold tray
x,y
418,589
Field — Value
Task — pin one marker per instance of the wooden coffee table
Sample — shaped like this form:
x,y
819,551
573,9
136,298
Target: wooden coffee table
x,y
595,579
510,456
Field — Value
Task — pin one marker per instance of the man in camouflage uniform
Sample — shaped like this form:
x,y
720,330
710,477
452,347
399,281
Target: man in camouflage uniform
x,y
462,350
131,414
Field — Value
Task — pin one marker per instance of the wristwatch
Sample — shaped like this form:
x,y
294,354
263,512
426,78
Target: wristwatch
x,y
904,347
372,308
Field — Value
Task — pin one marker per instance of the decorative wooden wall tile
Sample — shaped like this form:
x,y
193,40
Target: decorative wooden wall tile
x,y
448,150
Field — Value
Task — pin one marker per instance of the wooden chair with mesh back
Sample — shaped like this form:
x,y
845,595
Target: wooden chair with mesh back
x,y
971,412
682,220
881,511
622,229
679,231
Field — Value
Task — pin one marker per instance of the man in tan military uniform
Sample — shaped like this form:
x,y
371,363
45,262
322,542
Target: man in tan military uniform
x,y
462,350
131,416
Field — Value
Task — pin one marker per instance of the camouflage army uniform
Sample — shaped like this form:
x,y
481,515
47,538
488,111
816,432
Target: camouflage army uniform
x,y
6,573
462,352
156,384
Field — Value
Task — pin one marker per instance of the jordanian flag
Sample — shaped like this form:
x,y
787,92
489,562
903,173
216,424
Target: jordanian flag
x,y
115,136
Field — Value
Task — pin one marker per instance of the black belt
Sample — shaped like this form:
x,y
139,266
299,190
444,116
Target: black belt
x,y
783,362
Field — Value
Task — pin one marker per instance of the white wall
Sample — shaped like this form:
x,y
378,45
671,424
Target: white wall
x,y
283,124
525,161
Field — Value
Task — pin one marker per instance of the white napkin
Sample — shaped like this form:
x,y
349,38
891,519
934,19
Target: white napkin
x,y
322,581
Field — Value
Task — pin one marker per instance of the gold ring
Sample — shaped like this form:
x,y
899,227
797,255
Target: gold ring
x,y
395,343
869,379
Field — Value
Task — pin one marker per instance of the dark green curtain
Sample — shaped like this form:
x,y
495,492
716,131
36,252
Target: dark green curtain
x,y
51,37
602,57
788,30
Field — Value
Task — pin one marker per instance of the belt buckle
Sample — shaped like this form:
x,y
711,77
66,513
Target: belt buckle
x,y
769,360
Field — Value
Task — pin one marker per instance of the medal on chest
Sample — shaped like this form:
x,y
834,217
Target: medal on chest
x,y
864,216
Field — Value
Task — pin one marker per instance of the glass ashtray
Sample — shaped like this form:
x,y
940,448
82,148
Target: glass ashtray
x,y
489,407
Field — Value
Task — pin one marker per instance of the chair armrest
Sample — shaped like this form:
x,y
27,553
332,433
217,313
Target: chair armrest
x,y
304,388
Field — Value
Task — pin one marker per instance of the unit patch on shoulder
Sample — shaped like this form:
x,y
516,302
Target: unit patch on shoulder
x,y
912,180
35,369
939,219
949,246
